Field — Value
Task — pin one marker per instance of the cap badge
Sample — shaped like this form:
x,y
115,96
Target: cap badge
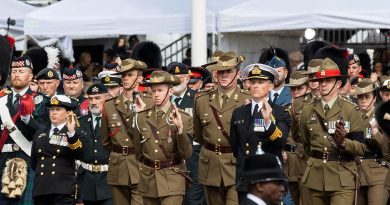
x,y
79,74
154,79
50,74
27,63
224,63
177,70
256,70
55,101
95,89
323,72
172,79
107,79
189,72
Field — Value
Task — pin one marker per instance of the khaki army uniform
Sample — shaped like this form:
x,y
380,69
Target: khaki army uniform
x,y
117,136
158,181
217,165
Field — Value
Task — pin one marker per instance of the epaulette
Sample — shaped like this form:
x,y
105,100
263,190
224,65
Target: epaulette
x,y
146,95
345,99
5,92
203,92
245,92
74,99
112,99
315,100
182,111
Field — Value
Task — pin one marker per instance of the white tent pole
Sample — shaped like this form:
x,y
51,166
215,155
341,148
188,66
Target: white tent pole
x,y
199,34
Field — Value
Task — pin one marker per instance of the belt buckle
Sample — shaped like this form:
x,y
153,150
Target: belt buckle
x,y
325,156
218,149
125,150
96,168
157,164
15,147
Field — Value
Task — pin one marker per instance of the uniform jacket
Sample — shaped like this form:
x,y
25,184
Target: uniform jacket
x,y
93,185
162,182
54,165
332,175
214,167
244,140
284,98
188,99
372,172
116,122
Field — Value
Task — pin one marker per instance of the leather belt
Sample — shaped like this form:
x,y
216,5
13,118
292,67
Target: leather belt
x,y
219,149
290,148
95,167
10,148
157,164
332,156
125,150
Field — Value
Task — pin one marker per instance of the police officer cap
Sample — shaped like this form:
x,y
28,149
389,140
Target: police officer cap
x,y
162,77
276,62
47,74
176,68
262,168
97,88
110,78
261,71
72,74
22,62
62,101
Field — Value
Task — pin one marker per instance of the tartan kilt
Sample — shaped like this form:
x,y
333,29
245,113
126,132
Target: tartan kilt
x,y
27,195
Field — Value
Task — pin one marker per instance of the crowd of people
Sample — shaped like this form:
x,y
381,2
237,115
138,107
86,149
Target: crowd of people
x,y
136,132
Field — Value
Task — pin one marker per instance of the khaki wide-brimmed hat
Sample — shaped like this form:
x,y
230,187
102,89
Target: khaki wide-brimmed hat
x,y
131,64
163,77
297,78
227,61
365,86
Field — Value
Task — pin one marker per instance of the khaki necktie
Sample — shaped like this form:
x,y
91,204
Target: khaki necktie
x,y
326,109
224,100
159,115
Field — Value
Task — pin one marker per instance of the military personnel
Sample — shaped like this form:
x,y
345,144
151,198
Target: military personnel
x,y
373,173
212,114
73,87
332,135
19,106
162,143
197,77
264,177
92,172
280,94
259,125
184,97
123,175
354,66
385,88
112,81
48,81
53,155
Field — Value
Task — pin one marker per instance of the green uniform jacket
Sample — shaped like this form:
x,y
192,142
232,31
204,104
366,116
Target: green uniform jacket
x,y
332,175
161,182
214,167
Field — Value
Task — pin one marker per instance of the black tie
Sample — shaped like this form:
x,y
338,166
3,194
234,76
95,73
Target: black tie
x,y
56,131
177,100
256,112
276,95
16,103
97,126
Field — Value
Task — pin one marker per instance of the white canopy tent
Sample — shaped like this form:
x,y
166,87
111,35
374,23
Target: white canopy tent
x,y
257,15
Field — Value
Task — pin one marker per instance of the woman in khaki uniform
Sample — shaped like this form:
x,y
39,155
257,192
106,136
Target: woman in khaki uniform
x,y
161,144
373,171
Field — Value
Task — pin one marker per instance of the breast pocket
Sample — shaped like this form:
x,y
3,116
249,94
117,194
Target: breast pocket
x,y
112,174
114,128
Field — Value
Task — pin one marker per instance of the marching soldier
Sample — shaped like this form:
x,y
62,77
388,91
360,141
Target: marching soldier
x,y
184,98
259,125
373,171
92,172
19,108
212,114
53,155
161,144
123,174
331,132
73,87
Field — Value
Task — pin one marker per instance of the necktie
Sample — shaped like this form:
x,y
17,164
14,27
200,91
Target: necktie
x,y
256,112
177,100
16,103
224,99
97,126
276,95
326,108
159,115
56,131
128,104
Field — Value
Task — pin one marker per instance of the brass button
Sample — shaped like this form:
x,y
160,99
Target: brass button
x,y
219,128
95,150
42,165
325,137
155,150
54,157
96,161
204,121
156,141
219,139
53,165
53,172
158,132
220,116
42,158
127,140
247,144
58,150
39,150
95,141
41,173
247,152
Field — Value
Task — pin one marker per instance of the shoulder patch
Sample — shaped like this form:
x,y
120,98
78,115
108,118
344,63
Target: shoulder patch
x,y
38,99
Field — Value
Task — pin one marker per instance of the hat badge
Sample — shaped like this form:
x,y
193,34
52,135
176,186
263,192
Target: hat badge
x,y
323,72
154,79
224,63
172,79
79,74
107,78
388,84
27,63
177,69
50,74
189,72
256,70
54,101
95,89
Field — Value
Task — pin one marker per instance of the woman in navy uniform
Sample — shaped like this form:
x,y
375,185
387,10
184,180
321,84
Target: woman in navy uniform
x,y
53,155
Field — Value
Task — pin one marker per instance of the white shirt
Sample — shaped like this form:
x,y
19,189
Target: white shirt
x,y
94,120
181,96
21,93
330,103
59,128
256,199
278,92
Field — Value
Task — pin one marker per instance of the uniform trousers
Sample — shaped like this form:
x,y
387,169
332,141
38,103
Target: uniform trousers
x,y
373,195
340,197
221,195
54,199
167,200
126,195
